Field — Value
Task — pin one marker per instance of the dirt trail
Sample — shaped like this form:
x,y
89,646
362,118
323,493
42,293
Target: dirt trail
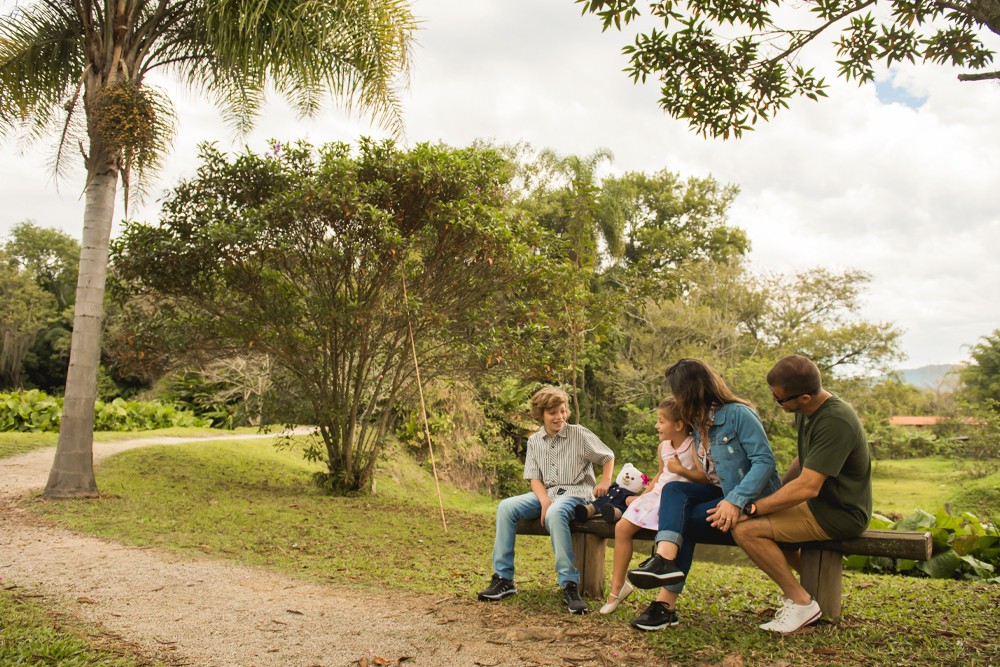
x,y
214,613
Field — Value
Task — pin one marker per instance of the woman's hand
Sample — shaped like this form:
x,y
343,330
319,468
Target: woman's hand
x,y
724,516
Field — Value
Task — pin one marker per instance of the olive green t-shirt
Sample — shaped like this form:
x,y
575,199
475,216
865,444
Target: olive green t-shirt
x,y
832,441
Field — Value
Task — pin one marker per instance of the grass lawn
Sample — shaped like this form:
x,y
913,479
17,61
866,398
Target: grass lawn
x,y
901,486
245,501
32,635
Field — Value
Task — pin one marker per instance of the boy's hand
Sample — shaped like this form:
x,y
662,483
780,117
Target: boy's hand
x,y
601,489
545,508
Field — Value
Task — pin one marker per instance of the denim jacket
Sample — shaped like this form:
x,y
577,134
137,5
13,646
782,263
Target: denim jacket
x,y
743,457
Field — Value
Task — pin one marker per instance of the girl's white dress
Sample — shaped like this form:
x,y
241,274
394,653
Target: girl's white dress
x,y
645,510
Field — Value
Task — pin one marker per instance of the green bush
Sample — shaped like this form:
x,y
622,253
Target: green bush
x,y
29,411
189,391
36,412
964,548
122,415
892,442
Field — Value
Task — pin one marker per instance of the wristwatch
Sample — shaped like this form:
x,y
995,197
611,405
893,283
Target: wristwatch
x,y
750,509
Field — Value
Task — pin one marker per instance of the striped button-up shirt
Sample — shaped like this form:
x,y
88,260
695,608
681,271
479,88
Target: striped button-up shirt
x,y
564,461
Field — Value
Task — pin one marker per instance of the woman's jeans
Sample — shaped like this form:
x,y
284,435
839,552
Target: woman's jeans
x,y
684,510
557,518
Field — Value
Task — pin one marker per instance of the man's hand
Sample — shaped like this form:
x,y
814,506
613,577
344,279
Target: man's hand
x,y
724,516
601,489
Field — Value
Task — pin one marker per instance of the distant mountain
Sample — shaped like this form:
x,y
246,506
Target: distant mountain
x,y
936,377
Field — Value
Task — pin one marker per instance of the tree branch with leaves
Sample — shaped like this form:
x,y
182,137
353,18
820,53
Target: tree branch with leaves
x,y
723,66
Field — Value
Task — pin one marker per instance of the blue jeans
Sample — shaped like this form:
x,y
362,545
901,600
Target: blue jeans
x,y
557,518
683,520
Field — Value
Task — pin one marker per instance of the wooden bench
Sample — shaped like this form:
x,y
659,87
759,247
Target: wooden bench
x,y
821,564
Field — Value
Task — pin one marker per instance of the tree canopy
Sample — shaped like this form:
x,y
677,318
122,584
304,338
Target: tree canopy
x,y
982,376
324,260
50,258
723,66
24,309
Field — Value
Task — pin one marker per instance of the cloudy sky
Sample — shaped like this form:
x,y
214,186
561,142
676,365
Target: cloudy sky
x,y
900,179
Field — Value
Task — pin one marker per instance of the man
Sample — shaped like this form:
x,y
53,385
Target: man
x,y
559,465
825,494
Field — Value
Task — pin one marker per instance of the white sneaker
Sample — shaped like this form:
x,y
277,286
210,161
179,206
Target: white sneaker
x,y
616,600
792,617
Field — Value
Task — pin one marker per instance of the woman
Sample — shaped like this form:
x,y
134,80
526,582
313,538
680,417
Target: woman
x,y
733,452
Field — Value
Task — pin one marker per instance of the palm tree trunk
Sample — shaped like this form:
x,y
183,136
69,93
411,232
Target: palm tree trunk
x,y
72,474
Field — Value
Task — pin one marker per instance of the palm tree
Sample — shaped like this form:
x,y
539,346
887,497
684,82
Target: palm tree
x,y
584,213
59,55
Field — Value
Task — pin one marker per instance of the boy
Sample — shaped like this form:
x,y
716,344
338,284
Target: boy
x,y
559,464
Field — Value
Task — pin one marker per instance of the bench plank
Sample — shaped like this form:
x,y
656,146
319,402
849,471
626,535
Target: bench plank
x,y
888,543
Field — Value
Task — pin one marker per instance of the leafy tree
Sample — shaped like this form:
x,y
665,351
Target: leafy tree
x,y
670,221
24,309
723,65
982,376
742,324
86,63
50,255
303,256
569,199
814,313
52,258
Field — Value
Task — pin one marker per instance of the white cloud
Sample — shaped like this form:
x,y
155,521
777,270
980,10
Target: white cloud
x,y
905,194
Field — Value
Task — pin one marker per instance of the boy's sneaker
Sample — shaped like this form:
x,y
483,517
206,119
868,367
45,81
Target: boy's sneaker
x,y
655,572
571,596
792,617
499,588
656,617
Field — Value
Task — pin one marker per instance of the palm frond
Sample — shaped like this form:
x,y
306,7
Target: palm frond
x,y
358,50
41,63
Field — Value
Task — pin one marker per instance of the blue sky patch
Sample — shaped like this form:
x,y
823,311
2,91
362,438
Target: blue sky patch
x,y
888,93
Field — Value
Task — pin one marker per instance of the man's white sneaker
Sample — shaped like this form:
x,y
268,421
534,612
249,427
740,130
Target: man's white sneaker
x,y
792,617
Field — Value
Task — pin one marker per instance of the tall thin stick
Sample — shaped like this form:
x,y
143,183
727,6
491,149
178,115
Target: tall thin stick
x,y
423,407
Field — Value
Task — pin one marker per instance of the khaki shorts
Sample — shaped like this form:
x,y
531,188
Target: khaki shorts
x,y
796,524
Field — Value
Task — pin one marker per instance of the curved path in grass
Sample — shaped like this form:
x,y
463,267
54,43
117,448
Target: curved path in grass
x,y
209,612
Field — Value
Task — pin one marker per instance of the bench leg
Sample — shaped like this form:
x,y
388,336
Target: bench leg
x,y
822,576
589,553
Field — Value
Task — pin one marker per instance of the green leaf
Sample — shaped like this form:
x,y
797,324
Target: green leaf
x,y
945,520
941,538
855,562
981,569
941,566
919,520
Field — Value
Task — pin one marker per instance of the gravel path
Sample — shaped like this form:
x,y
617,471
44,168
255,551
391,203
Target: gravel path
x,y
213,613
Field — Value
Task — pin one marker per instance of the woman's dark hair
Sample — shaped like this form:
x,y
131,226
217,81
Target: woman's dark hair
x,y
697,387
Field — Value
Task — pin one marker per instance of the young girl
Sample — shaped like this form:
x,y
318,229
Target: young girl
x,y
677,463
